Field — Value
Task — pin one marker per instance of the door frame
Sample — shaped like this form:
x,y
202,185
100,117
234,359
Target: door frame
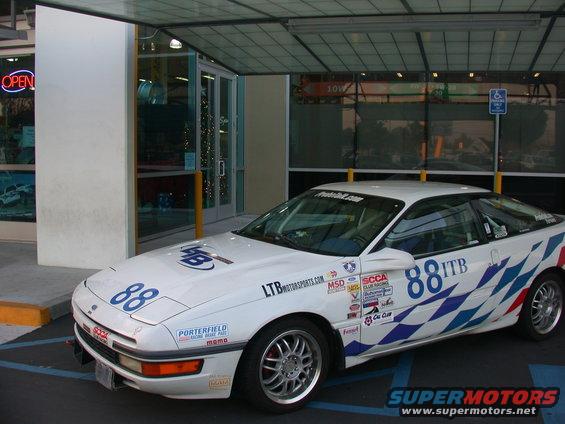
x,y
218,212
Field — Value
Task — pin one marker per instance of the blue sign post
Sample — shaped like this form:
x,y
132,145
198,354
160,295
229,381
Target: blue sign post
x,y
497,105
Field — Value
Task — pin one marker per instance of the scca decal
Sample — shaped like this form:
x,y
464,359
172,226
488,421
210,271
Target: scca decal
x,y
196,258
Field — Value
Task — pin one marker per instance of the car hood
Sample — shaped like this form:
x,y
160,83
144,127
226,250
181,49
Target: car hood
x,y
194,273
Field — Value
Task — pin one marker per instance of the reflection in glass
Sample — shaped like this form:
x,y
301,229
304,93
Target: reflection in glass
x,y
207,137
17,196
225,153
165,203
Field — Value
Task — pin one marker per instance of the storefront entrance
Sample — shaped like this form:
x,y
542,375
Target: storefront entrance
x,y
216,131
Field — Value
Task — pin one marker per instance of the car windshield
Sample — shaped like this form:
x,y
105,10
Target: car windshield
x,y
328,222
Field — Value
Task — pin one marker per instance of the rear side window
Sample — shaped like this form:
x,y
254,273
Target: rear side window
x,y
506,217
435,225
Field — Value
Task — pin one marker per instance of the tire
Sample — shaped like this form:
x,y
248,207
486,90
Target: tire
x,y
264,388
542,310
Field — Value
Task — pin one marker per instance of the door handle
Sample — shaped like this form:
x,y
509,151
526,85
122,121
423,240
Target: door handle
x,y
495,256
222,166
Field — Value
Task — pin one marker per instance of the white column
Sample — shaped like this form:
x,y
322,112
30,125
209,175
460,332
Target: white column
x,y
84,108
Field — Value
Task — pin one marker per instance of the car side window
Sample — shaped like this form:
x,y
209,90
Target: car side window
x,y
434,226
506,217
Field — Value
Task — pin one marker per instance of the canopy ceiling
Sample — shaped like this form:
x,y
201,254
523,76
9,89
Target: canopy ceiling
x,y
260,36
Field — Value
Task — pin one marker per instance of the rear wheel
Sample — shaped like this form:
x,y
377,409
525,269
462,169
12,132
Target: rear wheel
x,y
285,365
543,307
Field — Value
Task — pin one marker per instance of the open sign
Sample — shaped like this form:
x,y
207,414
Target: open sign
x,y
18,81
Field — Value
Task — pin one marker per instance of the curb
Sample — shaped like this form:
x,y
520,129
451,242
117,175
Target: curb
x,y
16,313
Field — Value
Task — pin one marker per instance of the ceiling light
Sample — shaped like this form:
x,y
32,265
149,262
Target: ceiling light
x,y
416,23
182,79
210,77
175,44
537,74
435,75
12,59
363,74
399,75
471,74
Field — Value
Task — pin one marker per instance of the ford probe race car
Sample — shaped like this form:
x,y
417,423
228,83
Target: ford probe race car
x,y
334,277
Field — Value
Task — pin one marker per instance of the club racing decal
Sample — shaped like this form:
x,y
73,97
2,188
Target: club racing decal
x,y
213,331
378,318
196,258
272,289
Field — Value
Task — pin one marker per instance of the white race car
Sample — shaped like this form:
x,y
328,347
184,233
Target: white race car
x,y
334,277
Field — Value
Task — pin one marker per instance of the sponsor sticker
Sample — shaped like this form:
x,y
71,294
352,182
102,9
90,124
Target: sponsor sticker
x,y
354,307
196,258
213,331
339,195
355,296
352,315
100,335
336,286
331,274
274,288
386,303
350,266
219,382
378,318
375,280
350,331
216,342
355,287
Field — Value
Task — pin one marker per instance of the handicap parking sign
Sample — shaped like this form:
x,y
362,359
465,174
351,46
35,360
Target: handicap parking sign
x,y
497,101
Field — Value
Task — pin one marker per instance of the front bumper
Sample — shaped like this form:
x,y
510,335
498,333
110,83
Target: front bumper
x,y
213,382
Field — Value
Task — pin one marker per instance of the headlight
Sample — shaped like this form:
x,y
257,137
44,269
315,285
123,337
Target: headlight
x,y
162,369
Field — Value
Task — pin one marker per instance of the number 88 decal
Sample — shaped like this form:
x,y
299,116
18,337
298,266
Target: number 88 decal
x,y
434,281
135,302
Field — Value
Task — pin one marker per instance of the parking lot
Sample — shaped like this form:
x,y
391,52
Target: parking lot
x,y
41,382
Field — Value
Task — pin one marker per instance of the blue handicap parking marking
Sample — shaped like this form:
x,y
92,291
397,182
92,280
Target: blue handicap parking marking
x,y
39,369
400,378
551,376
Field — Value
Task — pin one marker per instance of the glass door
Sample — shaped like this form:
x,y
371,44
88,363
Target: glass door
x,y
217,139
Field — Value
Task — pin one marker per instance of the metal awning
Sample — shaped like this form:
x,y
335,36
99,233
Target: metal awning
x,y
285,36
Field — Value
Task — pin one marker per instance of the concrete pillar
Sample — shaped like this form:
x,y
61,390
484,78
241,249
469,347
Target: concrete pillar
x,y
84,108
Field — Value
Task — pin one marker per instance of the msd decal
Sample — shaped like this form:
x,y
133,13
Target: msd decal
x,y
196,258
336,286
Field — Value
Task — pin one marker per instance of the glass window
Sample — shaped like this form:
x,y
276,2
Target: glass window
x,y
434,226
322,121
504,217
327,222
17,196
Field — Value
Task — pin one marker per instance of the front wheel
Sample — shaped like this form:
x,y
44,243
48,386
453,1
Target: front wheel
x,y
541,312
285,366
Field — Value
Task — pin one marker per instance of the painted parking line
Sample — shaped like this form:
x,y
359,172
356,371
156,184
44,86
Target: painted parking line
x,y
551,376
39,369
400,378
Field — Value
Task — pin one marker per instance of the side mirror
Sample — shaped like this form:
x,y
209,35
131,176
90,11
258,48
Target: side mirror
x,y
387,259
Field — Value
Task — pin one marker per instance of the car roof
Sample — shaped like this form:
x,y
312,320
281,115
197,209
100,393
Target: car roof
x,y
407,191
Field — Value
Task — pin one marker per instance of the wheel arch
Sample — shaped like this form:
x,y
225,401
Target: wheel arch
x,y
337,357
554,270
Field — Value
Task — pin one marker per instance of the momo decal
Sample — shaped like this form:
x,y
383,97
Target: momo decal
x,y
340,196
378,318
435,272
272,289
196,258
213,331
336,286
350,266
216,342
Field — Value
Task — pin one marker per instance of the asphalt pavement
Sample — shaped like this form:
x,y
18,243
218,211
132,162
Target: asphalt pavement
x,y
40,382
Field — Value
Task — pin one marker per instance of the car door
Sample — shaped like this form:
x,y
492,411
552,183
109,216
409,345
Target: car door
x,y
511,227
448,288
